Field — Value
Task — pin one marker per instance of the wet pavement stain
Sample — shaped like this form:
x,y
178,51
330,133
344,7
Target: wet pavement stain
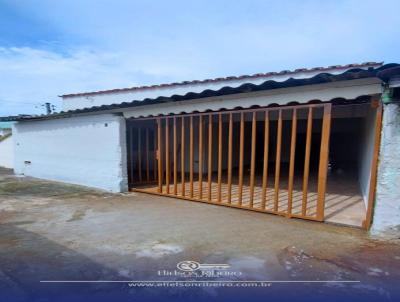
x,y
78,215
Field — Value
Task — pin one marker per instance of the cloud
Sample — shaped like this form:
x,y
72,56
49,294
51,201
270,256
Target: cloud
x,y
98,46
30,76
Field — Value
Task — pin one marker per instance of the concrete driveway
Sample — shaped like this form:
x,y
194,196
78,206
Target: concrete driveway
x,y
55,232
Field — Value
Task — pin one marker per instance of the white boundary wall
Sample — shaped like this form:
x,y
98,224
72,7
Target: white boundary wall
x,y
7,152
86,150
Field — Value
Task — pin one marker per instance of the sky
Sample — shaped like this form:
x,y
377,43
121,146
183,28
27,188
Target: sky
x,y
49,48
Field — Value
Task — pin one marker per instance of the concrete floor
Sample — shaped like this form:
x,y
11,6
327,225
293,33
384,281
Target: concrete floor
x,y
53,231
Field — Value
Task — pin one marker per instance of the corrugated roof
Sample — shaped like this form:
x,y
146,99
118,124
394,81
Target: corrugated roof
x,y
350,74
230,78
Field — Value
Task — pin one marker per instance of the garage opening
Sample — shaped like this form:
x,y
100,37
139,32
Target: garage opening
x,y
304,161
354,141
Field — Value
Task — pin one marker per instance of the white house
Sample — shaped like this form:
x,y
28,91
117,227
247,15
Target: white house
x,y
318,144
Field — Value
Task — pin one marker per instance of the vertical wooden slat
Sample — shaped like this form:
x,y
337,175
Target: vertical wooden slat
x,y
210,150
374,168
147,156
140,154
219,157
183,157
230,135
155,153
145,145
265,164
241,154
159,156
167,162
200,157
191,156
131,153
278,160
291,162
175,160
323,161
253,157
307,162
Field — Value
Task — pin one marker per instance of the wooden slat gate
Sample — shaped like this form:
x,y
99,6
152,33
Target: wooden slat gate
x,y
257,159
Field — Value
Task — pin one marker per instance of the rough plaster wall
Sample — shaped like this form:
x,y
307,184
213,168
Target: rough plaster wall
x,y
387,203
89,150
7,153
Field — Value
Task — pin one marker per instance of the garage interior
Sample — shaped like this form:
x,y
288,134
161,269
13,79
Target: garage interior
x,y
305,161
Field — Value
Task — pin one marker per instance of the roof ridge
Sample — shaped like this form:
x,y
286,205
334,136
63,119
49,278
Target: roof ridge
x,y
228,78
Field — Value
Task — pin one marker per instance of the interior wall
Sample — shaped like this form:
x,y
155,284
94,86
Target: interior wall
x,y
148,134
352,143
366,152
345,145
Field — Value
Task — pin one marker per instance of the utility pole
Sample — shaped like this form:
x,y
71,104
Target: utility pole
x,y
48,108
